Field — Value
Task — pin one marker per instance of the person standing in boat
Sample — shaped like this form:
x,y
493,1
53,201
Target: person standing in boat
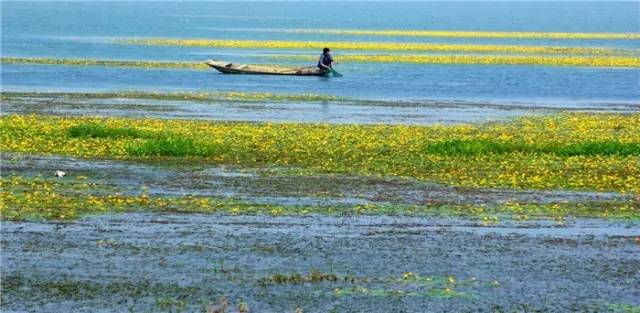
x,y
326,60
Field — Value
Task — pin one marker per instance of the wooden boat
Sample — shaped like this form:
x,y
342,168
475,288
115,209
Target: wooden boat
x,y
231,68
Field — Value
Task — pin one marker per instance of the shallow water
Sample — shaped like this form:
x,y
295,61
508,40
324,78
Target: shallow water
x,y
579,265
332,111
508,267
88,30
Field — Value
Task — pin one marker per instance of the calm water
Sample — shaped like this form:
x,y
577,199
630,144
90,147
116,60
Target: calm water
x,y
87,30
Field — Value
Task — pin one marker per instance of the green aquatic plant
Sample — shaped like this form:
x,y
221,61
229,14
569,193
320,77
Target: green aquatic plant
x,y
95,130
175,147
314,276
488,146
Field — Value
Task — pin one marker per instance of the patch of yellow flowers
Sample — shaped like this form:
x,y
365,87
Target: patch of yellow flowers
x,y
374,46
469,34
370,149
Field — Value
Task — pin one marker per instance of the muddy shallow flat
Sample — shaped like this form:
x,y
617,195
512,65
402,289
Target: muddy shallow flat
x,y
151,263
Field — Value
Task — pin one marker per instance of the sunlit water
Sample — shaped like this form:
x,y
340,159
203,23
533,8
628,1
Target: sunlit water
x,y
88,30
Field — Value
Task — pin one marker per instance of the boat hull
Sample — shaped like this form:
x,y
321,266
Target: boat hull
x,y
230,68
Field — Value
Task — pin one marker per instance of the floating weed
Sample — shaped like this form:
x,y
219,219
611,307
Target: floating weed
x,y
407,285
469,34
579,61
372,46
314,276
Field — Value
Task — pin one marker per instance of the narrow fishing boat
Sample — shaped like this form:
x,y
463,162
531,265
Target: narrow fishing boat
x,y
231,68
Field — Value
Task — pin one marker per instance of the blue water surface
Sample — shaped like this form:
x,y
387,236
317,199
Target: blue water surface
x,y
88,30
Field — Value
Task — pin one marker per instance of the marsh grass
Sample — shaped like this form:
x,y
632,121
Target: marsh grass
x,y
156,143
174,147
484,146
95,130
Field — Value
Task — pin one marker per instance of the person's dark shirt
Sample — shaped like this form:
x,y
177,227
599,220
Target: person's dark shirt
x,y
325,59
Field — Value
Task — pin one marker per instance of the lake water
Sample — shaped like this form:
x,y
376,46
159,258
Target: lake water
x,y
88,30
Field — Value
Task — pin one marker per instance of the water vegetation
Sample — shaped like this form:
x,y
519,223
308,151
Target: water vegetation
x,y
579,61
375,46
407,284
50,198
597,152
106,63
469,34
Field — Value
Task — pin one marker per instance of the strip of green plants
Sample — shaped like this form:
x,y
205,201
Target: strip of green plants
x,y
174,147
158,143
167,144
94,130
484,146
